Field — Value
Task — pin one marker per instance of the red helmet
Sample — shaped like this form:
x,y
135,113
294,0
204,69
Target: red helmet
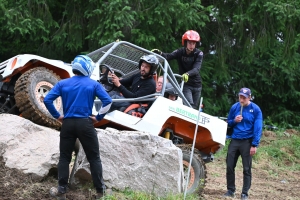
x,y
192,36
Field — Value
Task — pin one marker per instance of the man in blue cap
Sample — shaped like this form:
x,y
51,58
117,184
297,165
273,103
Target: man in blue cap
x,y
245,117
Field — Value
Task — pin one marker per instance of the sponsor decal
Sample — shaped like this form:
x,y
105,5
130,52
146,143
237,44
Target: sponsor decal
x,y
202,119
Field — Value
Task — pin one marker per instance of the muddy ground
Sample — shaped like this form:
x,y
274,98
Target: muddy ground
x,y
268,182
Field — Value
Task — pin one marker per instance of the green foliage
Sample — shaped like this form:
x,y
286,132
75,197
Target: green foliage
x,y
284,151
135,195
251,44
256,45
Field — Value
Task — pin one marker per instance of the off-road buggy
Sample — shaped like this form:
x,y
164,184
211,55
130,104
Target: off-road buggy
x,y
26,79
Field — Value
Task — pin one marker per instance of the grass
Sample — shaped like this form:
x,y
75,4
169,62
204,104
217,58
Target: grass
x,y
136,195
278,152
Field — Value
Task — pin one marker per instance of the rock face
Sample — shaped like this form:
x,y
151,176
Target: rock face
x,y
28,147
138,161
130,159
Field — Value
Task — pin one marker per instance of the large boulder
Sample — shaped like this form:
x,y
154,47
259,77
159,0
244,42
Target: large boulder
x,y
130,159
31,148
135,160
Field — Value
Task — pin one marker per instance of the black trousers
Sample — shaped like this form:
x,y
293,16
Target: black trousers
x,y
83,129
238,148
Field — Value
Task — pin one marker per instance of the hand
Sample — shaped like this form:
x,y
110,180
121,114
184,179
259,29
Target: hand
x,y
60,118
252,151
157,51
94,119
185,77
238,119
115,79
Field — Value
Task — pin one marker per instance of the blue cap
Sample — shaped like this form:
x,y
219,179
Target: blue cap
x,y
246,92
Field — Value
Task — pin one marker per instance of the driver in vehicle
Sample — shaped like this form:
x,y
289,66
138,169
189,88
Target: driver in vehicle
x,y
140,84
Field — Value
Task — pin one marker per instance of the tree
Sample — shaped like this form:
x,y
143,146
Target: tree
x,y
251,44
256,45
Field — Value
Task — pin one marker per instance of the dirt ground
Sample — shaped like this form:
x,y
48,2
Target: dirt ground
x,y
267,183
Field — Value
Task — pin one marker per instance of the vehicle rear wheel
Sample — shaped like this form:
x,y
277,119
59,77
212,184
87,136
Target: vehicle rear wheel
x,y
197,175
30,90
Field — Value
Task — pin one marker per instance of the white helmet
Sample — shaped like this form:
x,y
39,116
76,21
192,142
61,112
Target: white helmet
x,y
152,60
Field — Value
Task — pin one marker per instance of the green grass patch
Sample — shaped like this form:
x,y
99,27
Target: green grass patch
x,y
136,195
281,150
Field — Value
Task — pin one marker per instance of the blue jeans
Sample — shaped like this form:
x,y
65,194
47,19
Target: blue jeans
x,y
192,95
83,129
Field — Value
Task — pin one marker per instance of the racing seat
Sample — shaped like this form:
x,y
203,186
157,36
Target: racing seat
x,y
137,109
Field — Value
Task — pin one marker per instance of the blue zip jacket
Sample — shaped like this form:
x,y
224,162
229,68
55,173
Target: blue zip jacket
x,y
78,94
250,126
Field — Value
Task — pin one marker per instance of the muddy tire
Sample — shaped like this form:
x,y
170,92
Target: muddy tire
x,y
30,90
197,175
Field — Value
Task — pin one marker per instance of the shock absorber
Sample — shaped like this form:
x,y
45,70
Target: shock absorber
x,y
168,134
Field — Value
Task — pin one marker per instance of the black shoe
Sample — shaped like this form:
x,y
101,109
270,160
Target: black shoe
x,y
244,197
229,194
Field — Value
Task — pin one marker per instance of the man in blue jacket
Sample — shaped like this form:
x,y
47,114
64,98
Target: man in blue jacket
x,y
78,94
246,119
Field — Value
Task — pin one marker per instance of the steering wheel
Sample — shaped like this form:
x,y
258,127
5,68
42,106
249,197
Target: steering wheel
x,y
105,78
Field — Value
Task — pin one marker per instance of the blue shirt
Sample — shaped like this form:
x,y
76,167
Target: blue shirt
x,y
78,94
251,124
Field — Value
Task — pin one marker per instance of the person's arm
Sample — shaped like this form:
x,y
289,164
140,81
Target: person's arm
x,y
117,81
145,89
127,81
231,116
258,125
106,102
50,97
197,65
170,56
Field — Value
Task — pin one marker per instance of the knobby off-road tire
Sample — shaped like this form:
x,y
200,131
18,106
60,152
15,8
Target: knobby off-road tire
x,y
197,176
30,90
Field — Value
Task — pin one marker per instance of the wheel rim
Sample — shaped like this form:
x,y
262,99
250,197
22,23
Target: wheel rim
x,y
192,174
41,90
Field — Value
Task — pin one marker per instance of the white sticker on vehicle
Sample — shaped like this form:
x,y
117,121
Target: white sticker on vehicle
x,y
202,119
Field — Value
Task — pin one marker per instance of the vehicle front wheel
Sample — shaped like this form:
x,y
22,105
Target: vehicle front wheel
x,y
30,90
197,176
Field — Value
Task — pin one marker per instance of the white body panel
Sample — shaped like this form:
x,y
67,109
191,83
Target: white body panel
x,y
161,110
23,59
